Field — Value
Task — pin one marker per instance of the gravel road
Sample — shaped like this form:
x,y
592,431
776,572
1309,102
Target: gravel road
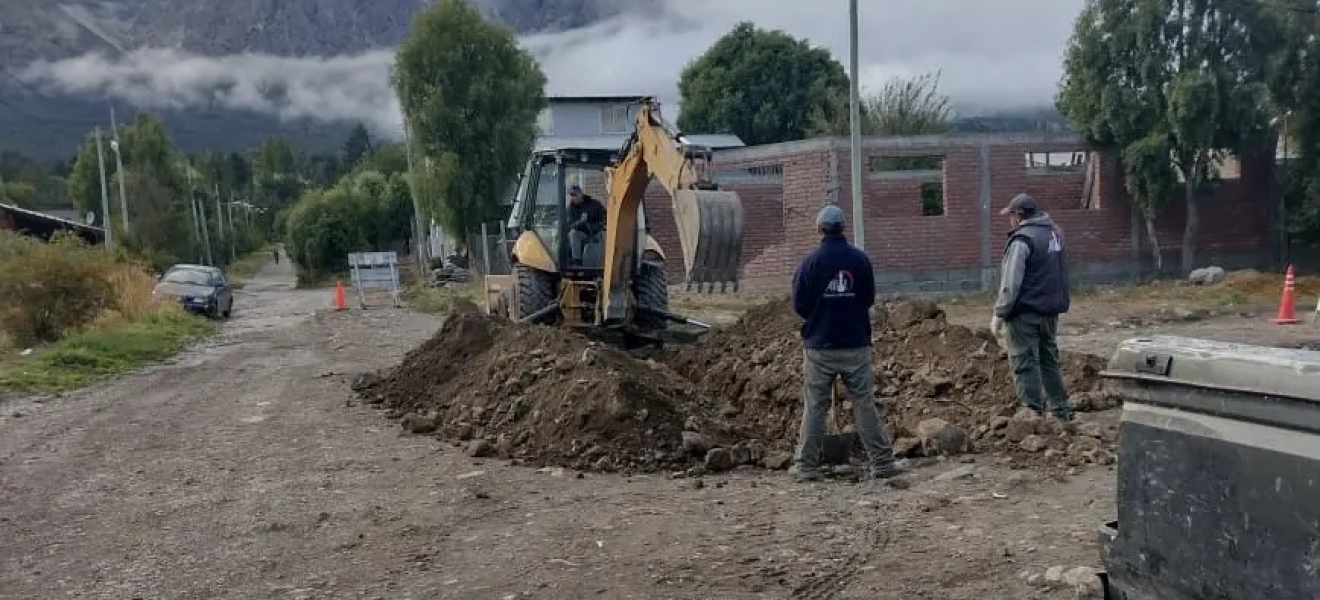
x,y
245,469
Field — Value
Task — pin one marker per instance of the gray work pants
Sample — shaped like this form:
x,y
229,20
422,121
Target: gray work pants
x,y
577,241
1034,356
819,370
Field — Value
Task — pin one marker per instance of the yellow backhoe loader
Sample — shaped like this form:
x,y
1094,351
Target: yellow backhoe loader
x,y
619,285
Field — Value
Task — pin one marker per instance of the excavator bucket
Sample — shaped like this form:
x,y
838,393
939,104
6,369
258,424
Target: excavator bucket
x,y
710,226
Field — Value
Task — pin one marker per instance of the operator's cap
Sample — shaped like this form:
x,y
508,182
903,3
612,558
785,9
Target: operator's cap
x,y
575,189
1021,203
830,216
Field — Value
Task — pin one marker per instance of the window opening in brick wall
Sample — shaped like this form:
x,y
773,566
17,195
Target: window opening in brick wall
x,y
906,164
763,174
932,199
1055,163
927,171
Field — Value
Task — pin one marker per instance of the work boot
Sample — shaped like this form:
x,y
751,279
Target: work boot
x,y
804,475
889,470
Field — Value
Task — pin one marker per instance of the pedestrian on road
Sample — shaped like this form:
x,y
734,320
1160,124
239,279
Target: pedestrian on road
x,y
276,252
833,292
1033,292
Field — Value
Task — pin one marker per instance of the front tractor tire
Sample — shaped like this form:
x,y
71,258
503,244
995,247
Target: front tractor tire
x,y
652,291
535,291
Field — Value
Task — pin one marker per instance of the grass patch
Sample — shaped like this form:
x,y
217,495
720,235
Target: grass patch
x,y
241,270
112,349
441,300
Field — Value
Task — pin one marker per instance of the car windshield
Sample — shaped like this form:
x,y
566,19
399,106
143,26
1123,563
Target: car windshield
x,y
187,277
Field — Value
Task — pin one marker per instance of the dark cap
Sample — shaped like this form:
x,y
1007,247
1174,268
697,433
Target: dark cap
x,y
1020,204
830,217
575,188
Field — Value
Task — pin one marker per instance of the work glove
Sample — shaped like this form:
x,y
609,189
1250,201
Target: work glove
x,y
996,326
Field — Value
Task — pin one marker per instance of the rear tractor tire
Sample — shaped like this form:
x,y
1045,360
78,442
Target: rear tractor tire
x,y
652,291
536,290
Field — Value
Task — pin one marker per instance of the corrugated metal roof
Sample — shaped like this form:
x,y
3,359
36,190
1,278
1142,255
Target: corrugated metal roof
x,y
48,217
615,142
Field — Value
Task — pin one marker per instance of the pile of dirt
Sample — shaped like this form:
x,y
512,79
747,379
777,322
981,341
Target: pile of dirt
x,y
542,395
546,396
945,389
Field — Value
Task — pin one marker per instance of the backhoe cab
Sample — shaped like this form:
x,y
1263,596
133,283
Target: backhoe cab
x,y
620,285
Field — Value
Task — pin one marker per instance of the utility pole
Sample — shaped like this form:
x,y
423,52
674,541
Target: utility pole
x,y
855,118
419,235
105,193
233,251
197,226
119,166
220,214
201,213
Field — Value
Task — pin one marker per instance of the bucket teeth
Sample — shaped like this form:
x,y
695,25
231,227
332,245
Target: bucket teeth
x,y
710,226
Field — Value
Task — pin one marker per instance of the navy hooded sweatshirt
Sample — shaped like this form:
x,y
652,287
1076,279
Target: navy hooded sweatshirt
x,y
833,291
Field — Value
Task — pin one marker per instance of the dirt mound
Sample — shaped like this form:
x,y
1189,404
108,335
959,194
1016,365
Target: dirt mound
x,y
542,395
547,396
942,385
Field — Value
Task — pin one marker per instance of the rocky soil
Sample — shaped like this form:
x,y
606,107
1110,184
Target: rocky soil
x,y
548,397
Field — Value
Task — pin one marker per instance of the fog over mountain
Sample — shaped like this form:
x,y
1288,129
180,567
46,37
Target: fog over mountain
x,y
308,75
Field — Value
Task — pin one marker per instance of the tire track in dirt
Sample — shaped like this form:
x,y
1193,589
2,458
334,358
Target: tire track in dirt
x,y
826,586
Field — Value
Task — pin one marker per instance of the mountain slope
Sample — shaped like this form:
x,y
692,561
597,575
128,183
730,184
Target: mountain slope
x,y
39,125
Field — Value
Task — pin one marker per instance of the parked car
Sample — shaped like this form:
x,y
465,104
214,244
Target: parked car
x,y
198,289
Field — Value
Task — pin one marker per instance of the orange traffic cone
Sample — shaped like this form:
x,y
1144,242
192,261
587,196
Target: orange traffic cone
x,y
342,303
1287,304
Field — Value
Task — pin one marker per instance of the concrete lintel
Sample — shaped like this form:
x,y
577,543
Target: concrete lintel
x,y
935,175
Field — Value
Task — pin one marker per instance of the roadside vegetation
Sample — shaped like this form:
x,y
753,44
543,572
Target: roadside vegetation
x,y
427,299
74,312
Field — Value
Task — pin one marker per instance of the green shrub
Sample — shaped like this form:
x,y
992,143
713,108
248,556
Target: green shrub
x,y
51,288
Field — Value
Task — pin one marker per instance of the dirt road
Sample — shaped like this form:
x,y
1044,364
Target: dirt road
x,y
245,469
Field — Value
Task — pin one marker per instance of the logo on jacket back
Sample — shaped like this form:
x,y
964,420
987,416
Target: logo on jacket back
x,y
840,286
1056,242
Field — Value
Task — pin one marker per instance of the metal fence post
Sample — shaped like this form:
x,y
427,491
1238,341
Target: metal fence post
x,y
485,251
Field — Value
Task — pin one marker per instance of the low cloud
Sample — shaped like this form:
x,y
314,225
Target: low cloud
x,y
991,55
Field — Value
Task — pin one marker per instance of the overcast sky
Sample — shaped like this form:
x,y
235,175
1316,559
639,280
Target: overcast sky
x,y
991,54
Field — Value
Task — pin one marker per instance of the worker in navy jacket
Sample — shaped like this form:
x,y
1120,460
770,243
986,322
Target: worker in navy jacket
x,y
833,292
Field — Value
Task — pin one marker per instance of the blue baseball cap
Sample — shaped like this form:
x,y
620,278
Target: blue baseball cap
x,y
830,217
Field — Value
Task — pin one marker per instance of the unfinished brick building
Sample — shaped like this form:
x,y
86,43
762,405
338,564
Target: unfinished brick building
x,y
932,204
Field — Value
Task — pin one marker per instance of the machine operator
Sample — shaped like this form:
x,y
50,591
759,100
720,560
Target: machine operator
x,y
586,221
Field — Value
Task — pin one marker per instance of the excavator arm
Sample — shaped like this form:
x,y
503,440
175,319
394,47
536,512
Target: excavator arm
x,y
709,220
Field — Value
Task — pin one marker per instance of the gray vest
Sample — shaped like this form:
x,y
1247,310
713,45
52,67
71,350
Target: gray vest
x,y
1045,280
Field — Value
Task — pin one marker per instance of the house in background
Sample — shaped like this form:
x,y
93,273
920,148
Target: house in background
x,y
45,224
603,122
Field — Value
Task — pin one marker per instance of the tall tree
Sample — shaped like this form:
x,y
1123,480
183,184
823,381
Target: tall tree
x,y
911,106
1296,88
471,97
763,86
356,146
1185,79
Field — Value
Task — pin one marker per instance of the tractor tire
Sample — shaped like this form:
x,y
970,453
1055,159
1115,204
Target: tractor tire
x,y
652,291
536,290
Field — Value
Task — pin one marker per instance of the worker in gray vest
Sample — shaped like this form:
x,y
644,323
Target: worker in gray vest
x,y
1033,292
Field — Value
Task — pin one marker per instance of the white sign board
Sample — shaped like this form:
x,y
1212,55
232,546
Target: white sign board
x,y
375,271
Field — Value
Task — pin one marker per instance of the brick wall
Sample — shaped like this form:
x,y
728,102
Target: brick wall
x,y
948,239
